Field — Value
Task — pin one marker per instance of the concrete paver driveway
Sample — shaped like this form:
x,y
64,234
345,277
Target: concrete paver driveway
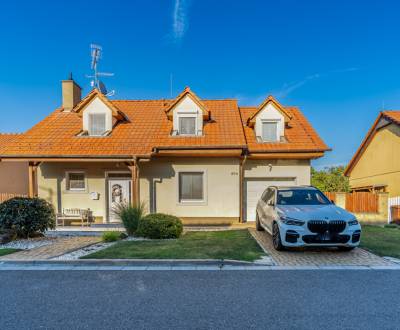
x,y
60,246
318,256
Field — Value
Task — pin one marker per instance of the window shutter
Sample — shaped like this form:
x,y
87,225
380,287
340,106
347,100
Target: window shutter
x,y
191,186
187,125
97,123
269,131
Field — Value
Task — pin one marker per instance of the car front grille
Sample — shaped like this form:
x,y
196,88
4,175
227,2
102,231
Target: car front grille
x,y
322,226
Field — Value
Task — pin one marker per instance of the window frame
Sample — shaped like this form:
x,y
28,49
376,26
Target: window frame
x,y
193,116
202,201
67,181
270,121
90,123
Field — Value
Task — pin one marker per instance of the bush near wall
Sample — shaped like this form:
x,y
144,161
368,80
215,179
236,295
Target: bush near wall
x,y
27,216
160,226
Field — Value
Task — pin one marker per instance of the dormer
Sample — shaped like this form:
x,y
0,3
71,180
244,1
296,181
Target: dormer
x,y
98,114
187,114
269,121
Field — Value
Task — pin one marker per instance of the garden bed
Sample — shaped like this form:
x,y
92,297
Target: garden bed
x,y
234,244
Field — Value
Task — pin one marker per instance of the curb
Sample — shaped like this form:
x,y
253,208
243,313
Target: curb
x,y
170,264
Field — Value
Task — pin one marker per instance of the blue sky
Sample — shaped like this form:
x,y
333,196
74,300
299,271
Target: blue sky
x,y
339,61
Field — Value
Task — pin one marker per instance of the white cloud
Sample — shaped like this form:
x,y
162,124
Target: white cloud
x,y
180,19
290,87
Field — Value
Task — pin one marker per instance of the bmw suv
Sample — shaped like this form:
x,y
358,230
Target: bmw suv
x,y
304,216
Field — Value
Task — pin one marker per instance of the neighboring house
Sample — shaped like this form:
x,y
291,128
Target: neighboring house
x,y
376,164
13,175
206,161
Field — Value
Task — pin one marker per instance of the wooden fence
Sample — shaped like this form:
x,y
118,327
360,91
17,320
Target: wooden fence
x,y
358,202
362,202
6,196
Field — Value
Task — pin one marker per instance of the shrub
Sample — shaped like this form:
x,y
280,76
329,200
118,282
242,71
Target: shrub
x,y
129,215
159,225
27,216
112,236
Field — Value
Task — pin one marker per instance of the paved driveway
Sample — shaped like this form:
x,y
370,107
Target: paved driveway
x,y
316,256
61,246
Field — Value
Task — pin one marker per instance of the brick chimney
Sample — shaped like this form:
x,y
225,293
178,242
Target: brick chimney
x,y
71,93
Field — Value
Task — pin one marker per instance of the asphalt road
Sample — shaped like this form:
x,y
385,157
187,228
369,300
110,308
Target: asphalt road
x,y
279,299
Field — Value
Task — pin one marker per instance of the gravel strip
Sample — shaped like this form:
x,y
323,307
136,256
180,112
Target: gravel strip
x,y
74,255
29,243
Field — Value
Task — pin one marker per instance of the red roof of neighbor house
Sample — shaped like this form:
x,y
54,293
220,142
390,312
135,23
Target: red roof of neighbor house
x,y
393,116
299,134
6,138
146,127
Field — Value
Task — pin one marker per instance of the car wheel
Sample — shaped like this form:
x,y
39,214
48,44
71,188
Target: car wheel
x,y
258,224
345,248
276,238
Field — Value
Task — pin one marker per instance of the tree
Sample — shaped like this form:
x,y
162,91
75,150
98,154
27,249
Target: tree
x,y
330,179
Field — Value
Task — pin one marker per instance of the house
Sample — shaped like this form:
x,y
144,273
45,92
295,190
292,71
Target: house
x,y
13,175
206,161
376,164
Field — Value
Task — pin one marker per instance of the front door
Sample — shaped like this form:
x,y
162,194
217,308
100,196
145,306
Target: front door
x,y
119,191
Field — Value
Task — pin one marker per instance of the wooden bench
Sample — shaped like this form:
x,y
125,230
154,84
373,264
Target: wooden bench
x,y
82,215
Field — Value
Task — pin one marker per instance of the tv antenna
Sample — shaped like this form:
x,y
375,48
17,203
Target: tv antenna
x,y
95,52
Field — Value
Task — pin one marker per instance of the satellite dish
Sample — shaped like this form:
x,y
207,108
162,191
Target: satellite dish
x,y
102,88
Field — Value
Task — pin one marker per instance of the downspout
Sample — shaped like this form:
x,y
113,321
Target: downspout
x,y
241,187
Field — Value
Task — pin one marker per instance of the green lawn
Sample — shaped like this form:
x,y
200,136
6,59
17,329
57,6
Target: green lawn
x,y
232,244
381,241
3,252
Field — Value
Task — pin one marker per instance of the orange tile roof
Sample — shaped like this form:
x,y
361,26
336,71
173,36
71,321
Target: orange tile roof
x,y
392,116
6,138
299,134
147,127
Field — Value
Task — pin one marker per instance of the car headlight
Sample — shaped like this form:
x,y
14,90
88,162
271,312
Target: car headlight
x,y
291,221
353,222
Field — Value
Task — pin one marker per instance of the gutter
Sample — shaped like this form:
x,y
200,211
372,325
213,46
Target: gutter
x,y
241,187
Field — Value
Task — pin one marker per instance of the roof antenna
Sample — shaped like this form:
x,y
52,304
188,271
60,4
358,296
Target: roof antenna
x,y
95,53
170,84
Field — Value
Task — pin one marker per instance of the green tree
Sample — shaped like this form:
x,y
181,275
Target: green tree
x,y
330,179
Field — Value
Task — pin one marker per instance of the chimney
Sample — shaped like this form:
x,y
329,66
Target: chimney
x,y
71,93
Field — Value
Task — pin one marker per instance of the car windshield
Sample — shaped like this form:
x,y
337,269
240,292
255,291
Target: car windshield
x,y
301,197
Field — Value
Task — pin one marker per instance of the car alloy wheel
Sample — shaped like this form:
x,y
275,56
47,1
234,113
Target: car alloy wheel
x,y
276,237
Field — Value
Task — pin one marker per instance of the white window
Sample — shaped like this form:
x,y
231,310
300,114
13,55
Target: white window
x,y
76,181
191,186
187,125
270,131
97,124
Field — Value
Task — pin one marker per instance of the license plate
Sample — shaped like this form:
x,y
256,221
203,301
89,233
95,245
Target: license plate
x,y
325,236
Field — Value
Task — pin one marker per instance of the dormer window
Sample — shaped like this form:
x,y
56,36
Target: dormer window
x,y
188,114
270,131
97,124
187,125
268,121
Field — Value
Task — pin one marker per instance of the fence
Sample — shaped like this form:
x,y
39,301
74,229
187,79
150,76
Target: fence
x,y
358,202
5,196
392,202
